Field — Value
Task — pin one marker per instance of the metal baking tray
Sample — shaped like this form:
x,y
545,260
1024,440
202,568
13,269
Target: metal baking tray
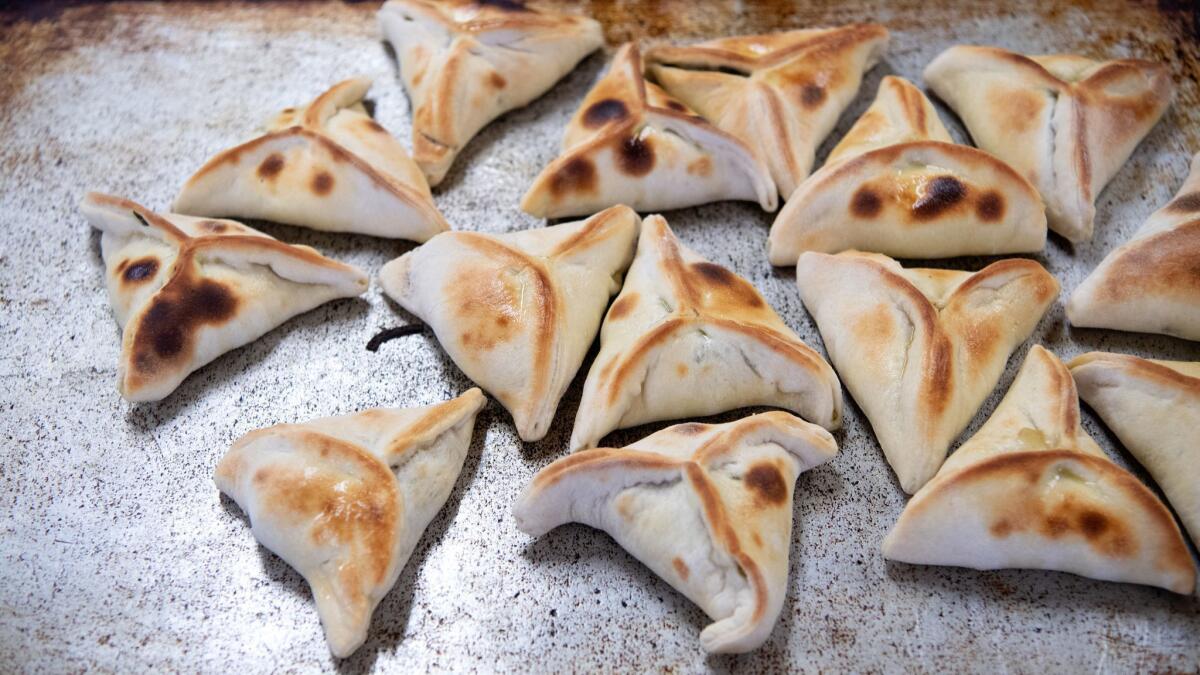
x,y
117,552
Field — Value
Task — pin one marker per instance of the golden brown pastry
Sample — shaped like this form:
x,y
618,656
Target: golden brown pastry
x,y
1032,490
898,185
708,508
518,312
780,93
1150,284
1065,122
327,166
687,338
920,349
465,63
186,290
630,143
1154,408
344,500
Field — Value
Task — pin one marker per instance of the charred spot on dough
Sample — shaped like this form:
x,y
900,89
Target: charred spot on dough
x,y
677,106
941,194
271,166
322,183
169,326
604,111
635,156
1189,203
728,283
866,203
765,481
990,206
497,80
681,568
623,306
138,270
812,95
577,175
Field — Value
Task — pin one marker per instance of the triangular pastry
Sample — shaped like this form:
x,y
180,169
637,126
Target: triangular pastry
x,y
186,290
1150,284
327,166
466,63
1154,408
1065,122
706,507
688,338
920,349
631,143
344,500
898,185
1032,490
517,312
780,93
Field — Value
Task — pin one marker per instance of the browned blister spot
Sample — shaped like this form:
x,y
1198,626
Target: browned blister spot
x,y
681,568
166,332
681,369
941,195
990,206
1021,109
623,306
139,270
271,166
577,175
754,536
811,95
604,111
322,183
635,156
374,126
866,203
765,482
689,429
722,287
214,226
1188,203
676,106
875,329
497,80
488,306
702,166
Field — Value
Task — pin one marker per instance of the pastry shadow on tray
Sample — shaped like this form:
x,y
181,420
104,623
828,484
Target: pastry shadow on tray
x,y
344,314
1052,591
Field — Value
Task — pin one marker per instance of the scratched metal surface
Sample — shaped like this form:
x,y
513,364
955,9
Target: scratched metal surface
x,y
116,552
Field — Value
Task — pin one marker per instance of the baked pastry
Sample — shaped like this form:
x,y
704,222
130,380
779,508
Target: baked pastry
x,y
345,499
898,185
780,93
706,507
1150,284
631,143
687,338
186,290
518,312
1154,408
1065,122
920,349
1032,490
327,166
466,63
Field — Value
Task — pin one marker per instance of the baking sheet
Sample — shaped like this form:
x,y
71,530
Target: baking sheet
x,y
118,554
